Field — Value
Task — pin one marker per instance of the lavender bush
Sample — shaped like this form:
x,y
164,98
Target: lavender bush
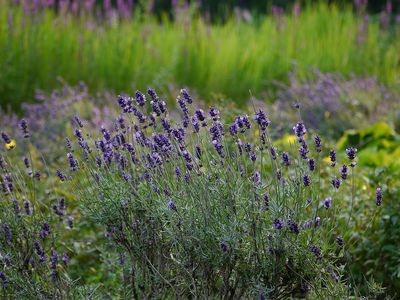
x,y
33,258
196,207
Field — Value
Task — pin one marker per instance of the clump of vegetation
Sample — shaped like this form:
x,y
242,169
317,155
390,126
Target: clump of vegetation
x,y
194,206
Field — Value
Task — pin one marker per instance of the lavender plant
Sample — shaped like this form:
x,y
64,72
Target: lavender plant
x,y
33,259
196,207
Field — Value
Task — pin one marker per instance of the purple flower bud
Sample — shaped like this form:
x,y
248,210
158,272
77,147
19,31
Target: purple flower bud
x,y
214,113
65,259
61,175
7,232
279,174
294,227
285,159
5,137
186,96
317,141
306,180
317,221
71,222
327,202
26,162
54,259
278,224
316,251
311,164
344,172
78,121
303,152
336,182
339,241
140,98
73,163
224,246
378,196
332,154
273,152
45,230
24,127
27,207
299,129
3,280
351,153
68,143
171,205
261,119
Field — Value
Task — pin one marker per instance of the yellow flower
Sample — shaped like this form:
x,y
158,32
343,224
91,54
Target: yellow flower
x,y
11,145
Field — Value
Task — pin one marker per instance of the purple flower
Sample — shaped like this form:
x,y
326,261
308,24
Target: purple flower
x,y
54,259
306,180
186,96
214,114
299,129
317,221
224,246
279,174
266,201
78,121
171,205
26,162
5,137
273,152
3,280
332,155
71,222
294,227
39,250
7,232
65,259
256,179
27,207
261,119
199,113
285,159
327,202
316,251
336,182
73,163
278,224
303,152
61,175
317,141
24,127
140,98
344,172
378,196
339,241
351,153
45,230
311,164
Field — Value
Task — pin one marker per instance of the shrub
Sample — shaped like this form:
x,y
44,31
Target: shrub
x,y
194,207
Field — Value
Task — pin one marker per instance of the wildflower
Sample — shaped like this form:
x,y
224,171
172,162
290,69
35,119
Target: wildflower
x,y
316,251
71,222
306,180
266,202
332,154
261,119
256,179
39,250
3,280
336,182
294,227
303,152
317,221
299,129
171,205
45,230
378,196
27,207
26,162
214,113
277,223
68,143
351,153
54,259
311,164
327,202
317,141
285,159
5,137
7,232
279,174
78,121
61,175
224,246
140,98
186,96
339,241
73,163
344,172
65,259
273,152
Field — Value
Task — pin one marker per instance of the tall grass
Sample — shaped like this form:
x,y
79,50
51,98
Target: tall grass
x,y
227,59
